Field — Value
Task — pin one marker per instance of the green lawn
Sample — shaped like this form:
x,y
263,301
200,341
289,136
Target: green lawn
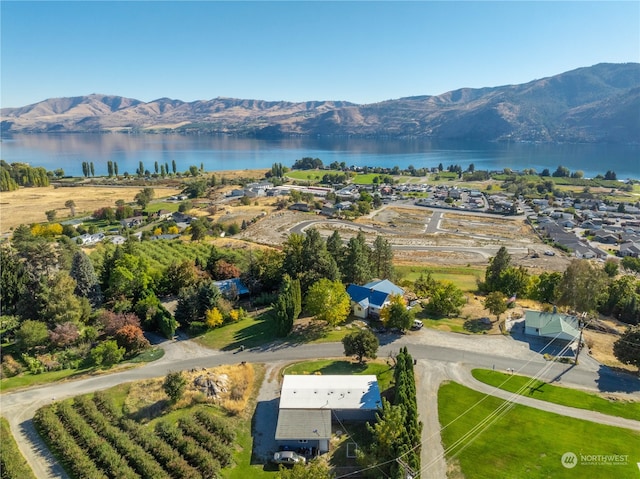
x,y
558,395
256,331
464,278
365,179
163,205
27,379
527,443
249,332
379,367
306,175
12,463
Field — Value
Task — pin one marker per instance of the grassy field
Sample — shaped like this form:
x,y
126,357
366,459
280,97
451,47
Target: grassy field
x,y
464,278
379,367
306,175
27,379
365,179
12,464
526,443
27,205
558,395
258,330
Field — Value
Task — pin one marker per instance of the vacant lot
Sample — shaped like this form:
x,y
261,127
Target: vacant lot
x,y
27,205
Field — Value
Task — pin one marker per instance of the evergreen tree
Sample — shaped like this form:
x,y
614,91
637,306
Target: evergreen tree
x,y
87,284
115,168
382,258
174,385
173,166
293,255
317,263
357,268
13,279
91,169
110,168
335,247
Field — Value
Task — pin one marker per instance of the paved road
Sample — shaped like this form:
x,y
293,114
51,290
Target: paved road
x,y
439,356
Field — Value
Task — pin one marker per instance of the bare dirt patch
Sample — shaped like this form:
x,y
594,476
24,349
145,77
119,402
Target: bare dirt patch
x,y
27,205
228,386
600,343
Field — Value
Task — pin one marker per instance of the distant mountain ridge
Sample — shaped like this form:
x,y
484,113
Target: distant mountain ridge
x,y
592,104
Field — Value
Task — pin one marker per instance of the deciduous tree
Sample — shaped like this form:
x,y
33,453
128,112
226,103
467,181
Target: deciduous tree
x,y
361,344
328,301
72,206
582,285
627,347
31,334
446,299
496,303
395,313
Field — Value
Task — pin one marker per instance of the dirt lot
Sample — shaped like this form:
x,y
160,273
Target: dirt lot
x,y
27,205
456,239
600,344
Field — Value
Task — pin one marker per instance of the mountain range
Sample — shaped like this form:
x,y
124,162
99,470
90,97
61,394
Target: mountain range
x,y
600,103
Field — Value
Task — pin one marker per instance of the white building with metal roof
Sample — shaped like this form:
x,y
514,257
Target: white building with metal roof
x,y
309,403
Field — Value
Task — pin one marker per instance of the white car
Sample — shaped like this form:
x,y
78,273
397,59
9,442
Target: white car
x,y
550,253
288,458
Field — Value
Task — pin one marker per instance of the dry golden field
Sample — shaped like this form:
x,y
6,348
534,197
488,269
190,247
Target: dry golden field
x,y
28,205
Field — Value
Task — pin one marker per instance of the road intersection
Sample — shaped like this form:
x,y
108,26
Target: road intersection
x,y
439,357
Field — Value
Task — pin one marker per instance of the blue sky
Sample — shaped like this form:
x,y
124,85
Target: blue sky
x,y
362,52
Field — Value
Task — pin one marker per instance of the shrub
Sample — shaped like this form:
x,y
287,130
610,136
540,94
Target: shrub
x,y
10,367
106,353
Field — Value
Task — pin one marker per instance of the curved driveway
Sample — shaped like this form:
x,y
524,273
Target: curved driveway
x,y
440,356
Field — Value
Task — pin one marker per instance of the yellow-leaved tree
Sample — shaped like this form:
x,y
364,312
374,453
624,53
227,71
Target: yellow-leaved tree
x,y
213,318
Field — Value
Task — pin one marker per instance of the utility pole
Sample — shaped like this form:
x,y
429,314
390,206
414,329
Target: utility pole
x,y
582,325
408,473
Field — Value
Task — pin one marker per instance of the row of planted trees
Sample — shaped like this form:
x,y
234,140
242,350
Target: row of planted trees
x,y
95,439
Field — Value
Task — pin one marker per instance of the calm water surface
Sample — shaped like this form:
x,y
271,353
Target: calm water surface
x,y
68,151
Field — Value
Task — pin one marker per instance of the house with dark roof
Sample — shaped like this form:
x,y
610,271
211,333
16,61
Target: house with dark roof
x,y
367,300
233,287
308,404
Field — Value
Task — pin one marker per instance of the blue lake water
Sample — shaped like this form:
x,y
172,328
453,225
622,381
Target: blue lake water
x,y
68,151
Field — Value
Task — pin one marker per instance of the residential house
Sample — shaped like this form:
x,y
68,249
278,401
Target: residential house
x,y
308,404
367,300
551,325
232,287
132,222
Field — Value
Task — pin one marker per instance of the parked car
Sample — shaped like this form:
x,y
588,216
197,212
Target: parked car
x,y
550,253
288,458
417,324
